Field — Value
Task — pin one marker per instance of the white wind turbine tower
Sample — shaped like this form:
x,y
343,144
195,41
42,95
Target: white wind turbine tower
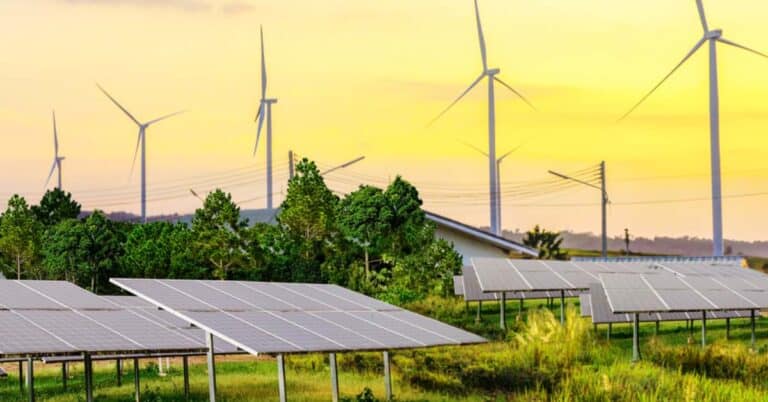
x,y
140,142
265,112
56,158
492,75
712,36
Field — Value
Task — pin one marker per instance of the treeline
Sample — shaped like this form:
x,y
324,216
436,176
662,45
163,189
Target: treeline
x,y
372,240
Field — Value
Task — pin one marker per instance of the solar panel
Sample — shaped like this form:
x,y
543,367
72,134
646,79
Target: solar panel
x,y
660,293
286,318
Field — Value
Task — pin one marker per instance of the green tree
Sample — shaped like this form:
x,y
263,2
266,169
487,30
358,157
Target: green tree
x,y
99,249
61,250
364,219
19,234
546,242
56,206
217,230
407,218
160,250
308,218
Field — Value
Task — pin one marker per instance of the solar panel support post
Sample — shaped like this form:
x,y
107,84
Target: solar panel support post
x,y
479,309
635,337
185,365
520,308
64,375
27,380
281,378
31,379
656,331
119,369
387,376
136,380
503,311
608,334
703,329
727,328
334,377
562,307
211,367
752,315
21,376
88,372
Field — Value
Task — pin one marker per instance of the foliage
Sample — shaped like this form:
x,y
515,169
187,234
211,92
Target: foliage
x,y
365,396
308,217
160,250
548,243
217,229
99,248
19,235
56,206
61,250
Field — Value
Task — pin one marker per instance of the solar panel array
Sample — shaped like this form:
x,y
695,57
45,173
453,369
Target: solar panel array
x,y
261,317
595,304
44,318
471,291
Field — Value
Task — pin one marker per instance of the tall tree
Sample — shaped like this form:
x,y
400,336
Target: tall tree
x,y
56,206
308,217
407,218
19,234
364,219
99,249
546,242
61,250
160,250
217,230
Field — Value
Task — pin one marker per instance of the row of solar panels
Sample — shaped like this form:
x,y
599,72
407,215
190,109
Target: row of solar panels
x,y
629,287
52,318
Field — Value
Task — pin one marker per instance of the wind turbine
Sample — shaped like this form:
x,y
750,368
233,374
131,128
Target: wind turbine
x,y
711,36
265,111
56,158
140,142
499,229
492,75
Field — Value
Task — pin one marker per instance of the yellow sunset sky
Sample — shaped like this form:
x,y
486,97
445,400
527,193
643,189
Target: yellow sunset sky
x,y
364,77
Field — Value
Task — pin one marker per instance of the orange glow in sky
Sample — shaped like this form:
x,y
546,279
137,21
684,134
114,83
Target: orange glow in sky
x,y
365,77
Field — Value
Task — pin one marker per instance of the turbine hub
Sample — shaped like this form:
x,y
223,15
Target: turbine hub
x,y
492,71
714,34
270,100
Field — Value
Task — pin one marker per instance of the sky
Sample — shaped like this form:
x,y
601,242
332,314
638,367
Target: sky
x,y
365,77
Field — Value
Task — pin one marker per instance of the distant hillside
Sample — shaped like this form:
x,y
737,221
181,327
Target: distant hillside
x,y
689,246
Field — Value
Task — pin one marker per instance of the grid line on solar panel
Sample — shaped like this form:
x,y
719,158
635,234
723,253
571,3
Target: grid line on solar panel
x,y
21,336
234,316
280,317
14,296
68,295
141,312
558,274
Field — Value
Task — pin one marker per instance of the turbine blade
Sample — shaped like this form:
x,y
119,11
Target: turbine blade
x,y
53,167
687,56
734,44
149,123
263,66
481,37
55,137
511,151
473,147
466,91
261,106
262,112
519,95
136,152
702,16
118,105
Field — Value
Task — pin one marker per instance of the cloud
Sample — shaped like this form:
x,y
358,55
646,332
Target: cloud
x,y
193,6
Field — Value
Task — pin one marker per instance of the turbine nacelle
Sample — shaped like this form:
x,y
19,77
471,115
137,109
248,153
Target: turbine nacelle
x,y
270,100
492,71
713,34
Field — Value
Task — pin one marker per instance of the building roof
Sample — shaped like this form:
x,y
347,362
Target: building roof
x,y
481,235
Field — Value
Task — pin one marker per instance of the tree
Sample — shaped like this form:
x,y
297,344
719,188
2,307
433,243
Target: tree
x,y
308,218
99,249
56,206
364,219
546,242
61,250
19,234
160,250
407,218
217,230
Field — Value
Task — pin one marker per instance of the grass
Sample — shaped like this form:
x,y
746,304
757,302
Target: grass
x,y
536,360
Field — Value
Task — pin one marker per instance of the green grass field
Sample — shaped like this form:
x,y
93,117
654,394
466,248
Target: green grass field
x,y
536,360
